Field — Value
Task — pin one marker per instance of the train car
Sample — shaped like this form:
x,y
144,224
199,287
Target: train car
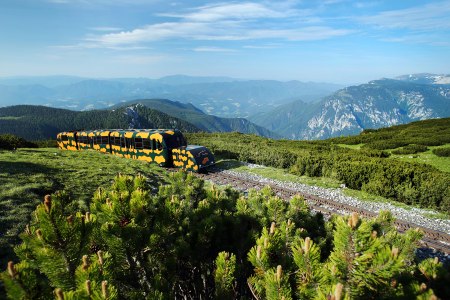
x,y
164,147
67,141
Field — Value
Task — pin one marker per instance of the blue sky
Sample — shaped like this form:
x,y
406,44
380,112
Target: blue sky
x,y
332,40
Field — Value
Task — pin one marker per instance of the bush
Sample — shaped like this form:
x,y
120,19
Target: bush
x,y
443,152
411,149
191,242
46,144
12,142
385,144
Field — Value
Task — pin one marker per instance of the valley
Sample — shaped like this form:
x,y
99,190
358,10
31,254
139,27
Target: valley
x,y
292,109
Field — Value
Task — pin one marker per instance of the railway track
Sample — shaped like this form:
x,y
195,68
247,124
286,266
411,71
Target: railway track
x,y
437,240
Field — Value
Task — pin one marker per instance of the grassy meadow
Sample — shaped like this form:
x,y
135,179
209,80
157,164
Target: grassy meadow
x,y
26,175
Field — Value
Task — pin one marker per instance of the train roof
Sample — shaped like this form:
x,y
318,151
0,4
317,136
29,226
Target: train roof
x,y
134,132
150,130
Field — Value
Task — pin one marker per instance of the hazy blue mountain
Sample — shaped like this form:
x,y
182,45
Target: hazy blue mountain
x,y
379,103
244,98
205,122
47,81
184,79
25,94
221,96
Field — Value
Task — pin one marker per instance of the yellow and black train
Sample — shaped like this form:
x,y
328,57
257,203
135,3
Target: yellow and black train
x,y
165,147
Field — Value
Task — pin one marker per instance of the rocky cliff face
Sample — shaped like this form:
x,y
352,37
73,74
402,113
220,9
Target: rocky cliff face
x,y
379,103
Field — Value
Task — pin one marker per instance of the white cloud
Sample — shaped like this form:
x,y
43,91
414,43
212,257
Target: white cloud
x,y
103,2
152,33
213,49
218,31
228,22
267,46
227,11
140,59
301,34
433,16
89,45
105,28
427,39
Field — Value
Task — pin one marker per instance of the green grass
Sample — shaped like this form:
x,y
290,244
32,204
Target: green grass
x,y
354,147
278,174
429,158
26,175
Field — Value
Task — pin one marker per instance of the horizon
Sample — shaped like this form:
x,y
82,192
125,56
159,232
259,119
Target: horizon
x,y
23,77
334,41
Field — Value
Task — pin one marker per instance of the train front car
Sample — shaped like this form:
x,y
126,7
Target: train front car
x,y
192,158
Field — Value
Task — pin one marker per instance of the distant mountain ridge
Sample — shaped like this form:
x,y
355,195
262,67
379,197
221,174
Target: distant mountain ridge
x,y
275,109
426,78
41,122
221,96
379,103
205,122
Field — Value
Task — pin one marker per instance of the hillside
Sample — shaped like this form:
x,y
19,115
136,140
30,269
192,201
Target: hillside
x,y
40,122
379,103
205,122
221,96
431,132
368,167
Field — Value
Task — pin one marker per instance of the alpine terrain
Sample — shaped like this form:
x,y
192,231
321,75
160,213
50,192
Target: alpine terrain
x,y
379,103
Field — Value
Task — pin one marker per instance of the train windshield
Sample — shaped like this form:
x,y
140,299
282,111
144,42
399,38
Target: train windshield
x,y
175,141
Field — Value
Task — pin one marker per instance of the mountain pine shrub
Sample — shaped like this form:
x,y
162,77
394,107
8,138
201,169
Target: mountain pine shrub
x,y
192,241
443,152
410,149
12,142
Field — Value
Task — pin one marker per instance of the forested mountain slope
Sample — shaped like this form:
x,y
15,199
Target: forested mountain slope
x,y
209,123
40,122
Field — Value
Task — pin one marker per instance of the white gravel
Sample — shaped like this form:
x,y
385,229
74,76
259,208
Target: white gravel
x,y
411,215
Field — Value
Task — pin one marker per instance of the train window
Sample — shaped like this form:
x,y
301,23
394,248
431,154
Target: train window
x,y
159,145
122,142
138,143
130,143
64,138
83,139
146,144
153,144
115,141
105,140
